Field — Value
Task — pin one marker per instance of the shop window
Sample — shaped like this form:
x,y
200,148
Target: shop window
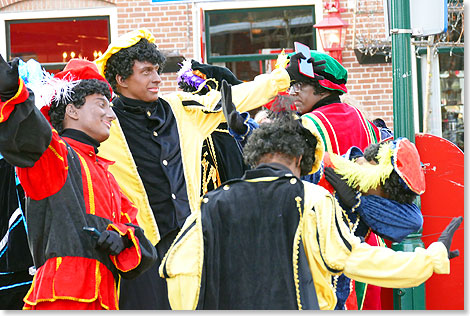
x,y
452,95
53,42
246,40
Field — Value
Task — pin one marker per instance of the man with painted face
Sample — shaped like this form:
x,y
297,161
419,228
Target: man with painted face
x,y
69,189
318,100
157,142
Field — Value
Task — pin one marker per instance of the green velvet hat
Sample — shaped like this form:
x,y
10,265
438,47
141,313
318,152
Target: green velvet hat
x,y
335,74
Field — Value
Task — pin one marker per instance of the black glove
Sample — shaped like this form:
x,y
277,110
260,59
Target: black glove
x,y
346,195
111,242
448,234
216,72
234,119
8,78
294,68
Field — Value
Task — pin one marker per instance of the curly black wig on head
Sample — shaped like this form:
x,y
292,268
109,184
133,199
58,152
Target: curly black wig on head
x,y
79,92
393,186
284,136
121,63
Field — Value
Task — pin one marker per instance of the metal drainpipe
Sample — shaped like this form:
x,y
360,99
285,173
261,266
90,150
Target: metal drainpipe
x,y
403,126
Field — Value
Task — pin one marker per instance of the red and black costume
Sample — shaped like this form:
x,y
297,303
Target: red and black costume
x,y
68,187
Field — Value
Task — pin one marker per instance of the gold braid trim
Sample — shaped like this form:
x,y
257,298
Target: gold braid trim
x,y
295,254
91,195
210,173
202,85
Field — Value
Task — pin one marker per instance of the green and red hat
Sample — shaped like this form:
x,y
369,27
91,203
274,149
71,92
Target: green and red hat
x,y
335,74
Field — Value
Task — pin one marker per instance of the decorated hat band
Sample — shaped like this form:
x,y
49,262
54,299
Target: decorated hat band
x,y
325,83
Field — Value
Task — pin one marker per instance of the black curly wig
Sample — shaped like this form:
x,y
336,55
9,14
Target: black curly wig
x,y
79,92
121,63
285,136
393,186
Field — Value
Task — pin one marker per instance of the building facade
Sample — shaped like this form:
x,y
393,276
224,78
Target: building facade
x,y
244,35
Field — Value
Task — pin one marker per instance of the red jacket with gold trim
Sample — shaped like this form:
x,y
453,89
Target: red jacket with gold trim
x,y
68,187
342,126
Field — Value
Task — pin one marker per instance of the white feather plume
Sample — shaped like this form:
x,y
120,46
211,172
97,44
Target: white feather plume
x,y
58,90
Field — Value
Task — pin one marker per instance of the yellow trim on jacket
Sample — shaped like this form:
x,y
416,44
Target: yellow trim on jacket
x,y
322,217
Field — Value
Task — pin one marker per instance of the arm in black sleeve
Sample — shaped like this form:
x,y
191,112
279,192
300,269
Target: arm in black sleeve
x,y
25,135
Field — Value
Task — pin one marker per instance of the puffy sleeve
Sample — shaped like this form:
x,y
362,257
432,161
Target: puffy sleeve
x,y
388,268
28,142
136,258
388,218
24,132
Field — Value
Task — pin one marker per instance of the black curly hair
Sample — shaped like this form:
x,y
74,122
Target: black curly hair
x,y
393,186
121,63
79,92
285,136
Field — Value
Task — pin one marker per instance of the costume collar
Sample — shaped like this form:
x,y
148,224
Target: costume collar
x,y
81,137
136,106
333,98
268,170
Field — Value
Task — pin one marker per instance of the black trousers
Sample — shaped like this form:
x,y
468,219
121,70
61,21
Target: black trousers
x,y
148,291
13,288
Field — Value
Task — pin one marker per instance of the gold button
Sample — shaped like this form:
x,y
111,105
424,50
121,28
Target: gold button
x,y
148,113
165,162
155,133
293,181
226,187
205,200
173,196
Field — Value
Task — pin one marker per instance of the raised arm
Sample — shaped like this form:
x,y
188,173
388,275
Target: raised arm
x,y
24,132
26,137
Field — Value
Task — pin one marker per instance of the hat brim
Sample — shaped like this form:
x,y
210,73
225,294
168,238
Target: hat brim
x,y
407,164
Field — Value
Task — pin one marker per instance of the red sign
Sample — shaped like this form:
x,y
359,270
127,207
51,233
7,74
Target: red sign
x,y
444,198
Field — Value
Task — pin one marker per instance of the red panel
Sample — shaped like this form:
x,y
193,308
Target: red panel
x,y
443,199
46,41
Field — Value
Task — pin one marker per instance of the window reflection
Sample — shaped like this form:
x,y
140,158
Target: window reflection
x,y
452,97
242,32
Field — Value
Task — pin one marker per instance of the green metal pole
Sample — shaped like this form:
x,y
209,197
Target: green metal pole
x,y
403,126
401,66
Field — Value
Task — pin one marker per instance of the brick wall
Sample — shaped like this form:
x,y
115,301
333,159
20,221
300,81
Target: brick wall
x,y
171,24
370,86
